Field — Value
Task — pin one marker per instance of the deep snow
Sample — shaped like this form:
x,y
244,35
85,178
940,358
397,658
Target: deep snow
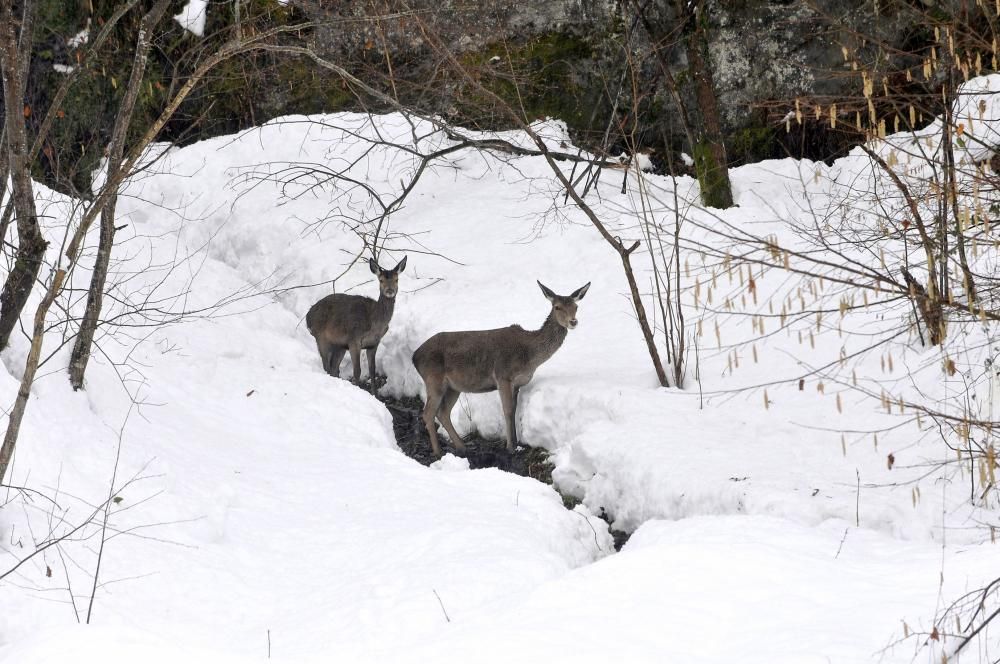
x,y
273,504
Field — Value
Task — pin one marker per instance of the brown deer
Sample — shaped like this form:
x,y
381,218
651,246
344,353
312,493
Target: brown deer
x,y
504,359
342,323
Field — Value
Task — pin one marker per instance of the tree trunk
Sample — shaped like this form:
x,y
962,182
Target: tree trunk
x,y
710,161
30,368
95,298
31,244
95,294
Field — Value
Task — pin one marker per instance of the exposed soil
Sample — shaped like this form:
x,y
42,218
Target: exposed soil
x,y
411,436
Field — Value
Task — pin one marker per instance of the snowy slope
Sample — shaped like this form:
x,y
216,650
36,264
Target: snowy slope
x,y
494,228
273,504
268,498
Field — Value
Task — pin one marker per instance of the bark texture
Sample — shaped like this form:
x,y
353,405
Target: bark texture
x,y
31,245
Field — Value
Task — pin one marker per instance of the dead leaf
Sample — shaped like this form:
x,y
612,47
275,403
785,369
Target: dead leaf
x,y
48,571
251,392
891,460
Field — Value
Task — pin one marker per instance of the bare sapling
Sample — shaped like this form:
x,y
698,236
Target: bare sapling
x,y
342,323
504,359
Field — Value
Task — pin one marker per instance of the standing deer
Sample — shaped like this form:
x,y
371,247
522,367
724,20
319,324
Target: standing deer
x,y
342,323
504,359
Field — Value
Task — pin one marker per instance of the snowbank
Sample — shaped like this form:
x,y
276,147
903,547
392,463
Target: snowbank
x,y
269,502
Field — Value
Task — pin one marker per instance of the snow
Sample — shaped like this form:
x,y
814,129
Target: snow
x,y
192,17
80,38
266,510
63,69
449,462
640,160
715,589
643,162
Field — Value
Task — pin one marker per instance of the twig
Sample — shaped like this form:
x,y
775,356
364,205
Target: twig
x,y
443,610
842,540
857,502
107,512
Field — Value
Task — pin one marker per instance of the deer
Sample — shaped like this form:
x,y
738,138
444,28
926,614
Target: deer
x,y
477,361
342,323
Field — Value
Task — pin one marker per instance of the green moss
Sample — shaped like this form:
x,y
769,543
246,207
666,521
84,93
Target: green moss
x,y
714,181
538,74
751,144
309,90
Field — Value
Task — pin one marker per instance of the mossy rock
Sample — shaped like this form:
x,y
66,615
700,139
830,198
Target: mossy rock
x,y
752,144
541,74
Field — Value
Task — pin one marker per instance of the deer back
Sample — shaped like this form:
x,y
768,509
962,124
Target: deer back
x,y
472,361
343,319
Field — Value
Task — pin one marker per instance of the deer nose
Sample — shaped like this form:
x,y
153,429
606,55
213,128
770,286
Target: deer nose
x,y
572,323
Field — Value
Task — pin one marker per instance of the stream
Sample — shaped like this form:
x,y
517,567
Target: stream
x,y
527,461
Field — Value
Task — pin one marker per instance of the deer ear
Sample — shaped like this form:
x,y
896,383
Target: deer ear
x,y
580,292
373,266
401,266
546,292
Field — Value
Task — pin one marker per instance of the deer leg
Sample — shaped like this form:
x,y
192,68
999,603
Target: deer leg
x,y
324,354
371,366
355,349
333,359
434,395
444,415
509,404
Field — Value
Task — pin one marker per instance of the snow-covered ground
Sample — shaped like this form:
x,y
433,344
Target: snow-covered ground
x,y
266,511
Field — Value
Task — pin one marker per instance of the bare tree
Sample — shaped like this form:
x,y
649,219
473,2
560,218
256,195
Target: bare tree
x,y
95,294
15,54
134,160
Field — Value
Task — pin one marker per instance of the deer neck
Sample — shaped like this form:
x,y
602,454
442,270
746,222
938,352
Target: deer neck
x,y
548,338
383,308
